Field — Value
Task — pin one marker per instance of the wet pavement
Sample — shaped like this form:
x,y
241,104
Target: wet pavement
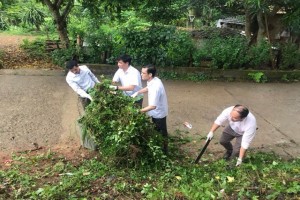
x,y
38,107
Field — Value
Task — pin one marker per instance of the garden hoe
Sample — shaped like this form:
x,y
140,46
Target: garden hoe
x,y
202,151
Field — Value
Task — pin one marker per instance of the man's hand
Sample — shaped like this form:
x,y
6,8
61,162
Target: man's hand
x,y
134,94
239,162
209,136
113,87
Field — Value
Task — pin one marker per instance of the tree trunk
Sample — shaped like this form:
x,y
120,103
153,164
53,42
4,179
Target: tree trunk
x,y
261,27
60,12
61,27
248,22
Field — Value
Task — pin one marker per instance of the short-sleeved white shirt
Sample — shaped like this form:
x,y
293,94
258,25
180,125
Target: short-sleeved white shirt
x,y
81,82
131,77
157,97
247,127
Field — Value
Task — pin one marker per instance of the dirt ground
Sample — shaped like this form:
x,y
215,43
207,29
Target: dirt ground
x,y
13,57
39,112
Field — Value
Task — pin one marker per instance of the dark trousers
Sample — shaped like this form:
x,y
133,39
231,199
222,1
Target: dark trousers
x,y
85,102
139,103
161,126
227,136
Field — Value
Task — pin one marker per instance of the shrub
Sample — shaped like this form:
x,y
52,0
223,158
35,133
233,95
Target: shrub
x,y
160,45
148,45
122,132
290,56
225,53
3,22
179,49
258,77
60,56
259,54
99,46
35,49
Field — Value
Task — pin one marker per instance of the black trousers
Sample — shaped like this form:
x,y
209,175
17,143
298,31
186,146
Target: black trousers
x,y
161,126
85,102
139,103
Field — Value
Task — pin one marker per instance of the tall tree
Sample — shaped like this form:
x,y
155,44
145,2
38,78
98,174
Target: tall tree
x,y
152,10
258,12
60,10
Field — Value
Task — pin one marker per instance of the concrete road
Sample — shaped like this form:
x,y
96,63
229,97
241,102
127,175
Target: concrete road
x,y
37,106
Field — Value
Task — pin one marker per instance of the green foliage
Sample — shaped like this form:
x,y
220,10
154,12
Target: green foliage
x,y
122,132
224,53
99,44
148,45
261,176
259,54
179,49
292,18
35,49
258,77
196,77
160,45
60,56
290,77
34,16
290,56
3,22
164,12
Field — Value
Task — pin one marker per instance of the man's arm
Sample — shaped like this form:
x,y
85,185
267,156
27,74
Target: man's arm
x,y
242,152
78,89
93,77
214,127
246,140
126,88
143,90
148,108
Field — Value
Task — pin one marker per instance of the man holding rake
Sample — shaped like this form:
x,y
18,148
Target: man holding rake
x,y
242,126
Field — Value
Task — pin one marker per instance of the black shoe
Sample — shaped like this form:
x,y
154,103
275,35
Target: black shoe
x,y
227,155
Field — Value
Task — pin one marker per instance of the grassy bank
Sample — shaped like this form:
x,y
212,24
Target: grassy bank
x,y
52,176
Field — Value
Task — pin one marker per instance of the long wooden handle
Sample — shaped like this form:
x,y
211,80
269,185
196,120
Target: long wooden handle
x,y
202,151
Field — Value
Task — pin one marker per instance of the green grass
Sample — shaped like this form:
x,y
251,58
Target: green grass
x,y
15,31
51,176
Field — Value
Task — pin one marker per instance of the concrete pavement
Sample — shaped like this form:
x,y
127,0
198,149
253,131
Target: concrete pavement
x,y
37,106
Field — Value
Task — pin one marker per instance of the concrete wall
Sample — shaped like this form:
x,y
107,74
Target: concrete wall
x,y
272,75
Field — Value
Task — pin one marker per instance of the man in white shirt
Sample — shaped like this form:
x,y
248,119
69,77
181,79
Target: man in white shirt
x,y
157,107
80,79
129,77
242,126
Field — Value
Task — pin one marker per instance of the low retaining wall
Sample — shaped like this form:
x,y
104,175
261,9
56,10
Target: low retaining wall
x,y
212,73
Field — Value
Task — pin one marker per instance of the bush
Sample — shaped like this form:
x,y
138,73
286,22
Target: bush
x,y
225,53
259,54
35,49
290,56
3,22
160,45
99,47
122,132
180,49
148,45
258,77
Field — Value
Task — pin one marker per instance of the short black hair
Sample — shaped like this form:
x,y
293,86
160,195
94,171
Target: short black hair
x,y
125,58
242,110
150,69
71,64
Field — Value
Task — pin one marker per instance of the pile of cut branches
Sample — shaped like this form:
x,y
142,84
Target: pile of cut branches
x,y
122,133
